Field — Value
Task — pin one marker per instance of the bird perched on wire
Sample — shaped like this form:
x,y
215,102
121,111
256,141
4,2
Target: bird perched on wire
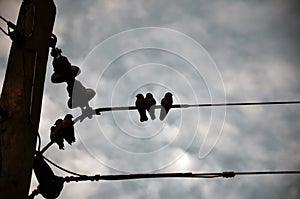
x,y
56,134
166,104
68,129
140,103
150,102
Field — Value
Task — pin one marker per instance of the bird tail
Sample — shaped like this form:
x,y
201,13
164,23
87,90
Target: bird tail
x,y
152,112
143,118
163,113
143,115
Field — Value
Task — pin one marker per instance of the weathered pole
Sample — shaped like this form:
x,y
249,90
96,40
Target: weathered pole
x,y
22,95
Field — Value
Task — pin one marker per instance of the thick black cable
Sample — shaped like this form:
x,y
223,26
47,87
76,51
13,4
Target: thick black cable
x,y
225,174
266,172
61,168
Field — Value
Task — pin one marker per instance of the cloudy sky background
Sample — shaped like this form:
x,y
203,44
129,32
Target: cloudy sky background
x,y
202,51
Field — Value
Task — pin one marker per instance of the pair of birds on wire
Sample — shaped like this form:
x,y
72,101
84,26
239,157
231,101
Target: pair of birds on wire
x,y
148,103
63,129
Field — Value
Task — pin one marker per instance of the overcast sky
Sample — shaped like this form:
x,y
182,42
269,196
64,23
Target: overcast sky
x,y
201,51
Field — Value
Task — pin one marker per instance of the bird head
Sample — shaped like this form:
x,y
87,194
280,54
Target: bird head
x,y
58,121
149,95
168,94
69,116
139,96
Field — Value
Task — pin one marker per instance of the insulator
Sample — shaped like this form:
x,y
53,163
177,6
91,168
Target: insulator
x,y
42,170
52,188
61,65
50,185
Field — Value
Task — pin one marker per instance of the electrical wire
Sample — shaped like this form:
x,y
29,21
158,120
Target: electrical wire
x,y
39,141
61,168
9,25
4,31
2,28
5,20
122,108
225,174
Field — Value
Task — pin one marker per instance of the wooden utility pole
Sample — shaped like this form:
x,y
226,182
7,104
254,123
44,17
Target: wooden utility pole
x,y
22,95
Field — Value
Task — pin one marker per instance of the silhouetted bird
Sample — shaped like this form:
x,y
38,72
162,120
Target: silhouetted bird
x,y
56,134
166,104
140,103
150,101
68,129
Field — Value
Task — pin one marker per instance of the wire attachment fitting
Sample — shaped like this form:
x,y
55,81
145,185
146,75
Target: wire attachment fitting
x,y
12,31
228,174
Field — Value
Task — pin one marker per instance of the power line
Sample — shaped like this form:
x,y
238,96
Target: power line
x,y
225,174
98,111
61,168
122,108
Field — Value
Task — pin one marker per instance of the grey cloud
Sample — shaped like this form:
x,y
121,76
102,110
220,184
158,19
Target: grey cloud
x,y
255,45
